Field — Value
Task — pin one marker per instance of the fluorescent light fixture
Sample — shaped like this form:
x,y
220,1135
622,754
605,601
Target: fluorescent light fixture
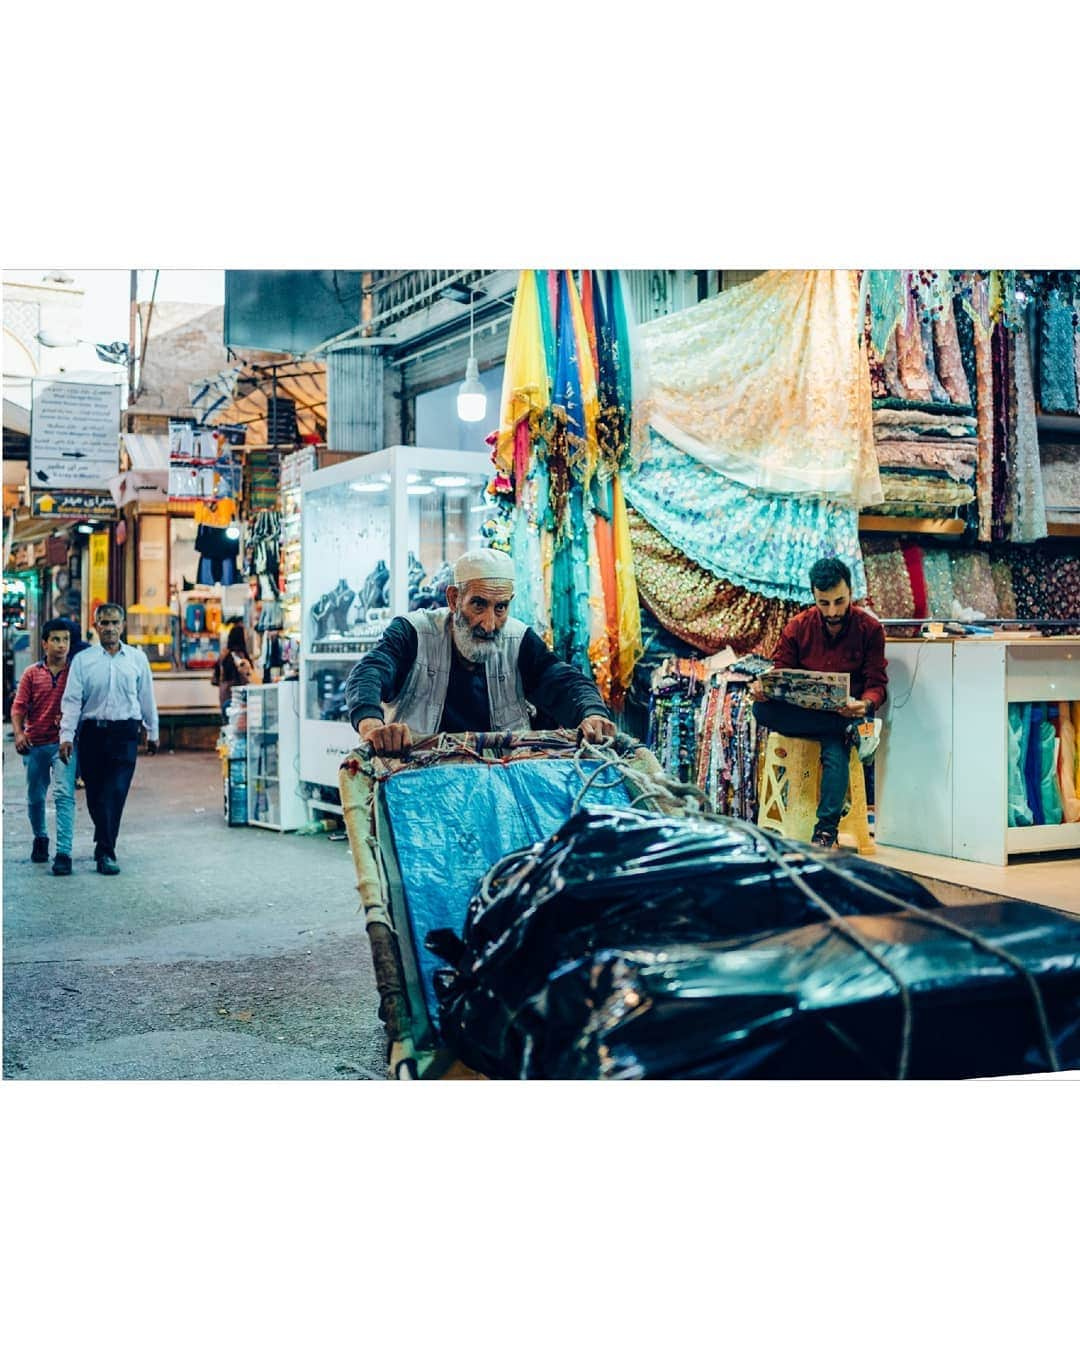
x,y
368,485
450,480
84,527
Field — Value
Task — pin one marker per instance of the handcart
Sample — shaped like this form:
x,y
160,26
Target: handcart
x,y
461,803
774,960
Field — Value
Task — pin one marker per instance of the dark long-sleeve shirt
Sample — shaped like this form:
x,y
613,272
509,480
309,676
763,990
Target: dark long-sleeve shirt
x,y
562,695
858,649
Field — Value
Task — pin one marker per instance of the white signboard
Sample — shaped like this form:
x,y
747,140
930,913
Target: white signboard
x,y
74,434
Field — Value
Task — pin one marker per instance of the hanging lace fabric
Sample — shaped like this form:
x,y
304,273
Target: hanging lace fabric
x,y
766,542
767,384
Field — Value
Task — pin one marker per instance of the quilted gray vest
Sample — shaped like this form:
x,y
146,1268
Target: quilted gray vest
x,y
423,695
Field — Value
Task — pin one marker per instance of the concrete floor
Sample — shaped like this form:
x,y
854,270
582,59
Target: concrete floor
x,y
217,953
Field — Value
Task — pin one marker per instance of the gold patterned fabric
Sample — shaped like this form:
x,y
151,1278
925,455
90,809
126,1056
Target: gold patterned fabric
x,y
769,385
697,606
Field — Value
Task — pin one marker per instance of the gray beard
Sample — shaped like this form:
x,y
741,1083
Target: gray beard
x,y
476,650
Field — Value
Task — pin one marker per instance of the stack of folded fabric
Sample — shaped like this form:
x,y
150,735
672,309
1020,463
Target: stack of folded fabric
x,y
927,456
921,377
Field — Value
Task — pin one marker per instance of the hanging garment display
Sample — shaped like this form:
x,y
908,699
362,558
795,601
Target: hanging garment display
x,y
973,583
1027,507
937,570
731,746
263,553
767,383
927,315
762,541
984,405
218,552
913,561
1068,764
1003,588
888,584
1057,353
562,444
948,357
702,609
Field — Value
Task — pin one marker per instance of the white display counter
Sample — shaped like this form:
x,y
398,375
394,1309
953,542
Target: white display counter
x,y
942,769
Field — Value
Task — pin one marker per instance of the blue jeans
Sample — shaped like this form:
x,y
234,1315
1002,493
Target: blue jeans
x,y
832,732
44,765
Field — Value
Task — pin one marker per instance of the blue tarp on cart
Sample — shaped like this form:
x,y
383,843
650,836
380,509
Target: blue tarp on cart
x,y
452,823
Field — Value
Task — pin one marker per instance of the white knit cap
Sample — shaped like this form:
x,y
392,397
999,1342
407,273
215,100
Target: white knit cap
x,y
483,564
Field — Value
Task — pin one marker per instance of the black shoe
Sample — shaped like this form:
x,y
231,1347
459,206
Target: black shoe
x,y
823,838
108,867
40,851
62,865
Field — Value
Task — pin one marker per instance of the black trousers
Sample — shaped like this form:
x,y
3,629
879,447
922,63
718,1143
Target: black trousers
x,y
107,755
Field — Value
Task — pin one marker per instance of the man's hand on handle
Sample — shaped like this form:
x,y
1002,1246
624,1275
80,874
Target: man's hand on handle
x,y
394,738
596,728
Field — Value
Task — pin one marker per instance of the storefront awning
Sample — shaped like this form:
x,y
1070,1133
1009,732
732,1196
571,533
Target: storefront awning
x,y
302,381
32,529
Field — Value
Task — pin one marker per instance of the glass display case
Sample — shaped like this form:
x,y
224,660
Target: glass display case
x,y
154,629
232,747
273,780
380,535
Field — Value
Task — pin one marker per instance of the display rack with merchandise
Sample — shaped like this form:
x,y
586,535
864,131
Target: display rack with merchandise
x,y
273,784
379,535
154,628
232,747
293,468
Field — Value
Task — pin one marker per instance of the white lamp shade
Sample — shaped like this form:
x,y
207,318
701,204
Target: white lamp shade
x,y
472,397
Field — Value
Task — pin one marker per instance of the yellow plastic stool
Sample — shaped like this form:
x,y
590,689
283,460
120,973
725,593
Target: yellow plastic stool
x,y
791,785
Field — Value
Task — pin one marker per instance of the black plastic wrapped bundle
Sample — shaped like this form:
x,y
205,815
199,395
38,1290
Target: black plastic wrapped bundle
x,y
631,946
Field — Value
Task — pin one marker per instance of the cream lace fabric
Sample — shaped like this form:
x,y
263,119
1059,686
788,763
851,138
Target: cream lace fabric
x,y
768,384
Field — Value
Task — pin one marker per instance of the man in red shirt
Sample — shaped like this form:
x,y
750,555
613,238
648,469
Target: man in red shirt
x,y
35,718
832,635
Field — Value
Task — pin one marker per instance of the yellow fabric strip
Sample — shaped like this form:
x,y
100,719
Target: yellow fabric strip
x,y
526,387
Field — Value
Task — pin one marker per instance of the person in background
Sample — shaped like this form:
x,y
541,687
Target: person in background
x,y
35,719
234,668
832,635
109,696
468,667
78,642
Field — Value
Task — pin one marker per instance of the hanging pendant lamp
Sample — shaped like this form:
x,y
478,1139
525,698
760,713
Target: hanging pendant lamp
x,y
471,397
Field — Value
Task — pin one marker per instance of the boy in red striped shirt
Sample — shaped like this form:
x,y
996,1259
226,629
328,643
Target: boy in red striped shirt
x,y
35,717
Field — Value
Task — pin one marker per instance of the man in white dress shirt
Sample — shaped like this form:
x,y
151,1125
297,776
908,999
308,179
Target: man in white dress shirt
x,y
109,697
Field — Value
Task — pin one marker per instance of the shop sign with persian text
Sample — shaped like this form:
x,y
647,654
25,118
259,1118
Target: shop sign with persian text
x,y
74,503
74,435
